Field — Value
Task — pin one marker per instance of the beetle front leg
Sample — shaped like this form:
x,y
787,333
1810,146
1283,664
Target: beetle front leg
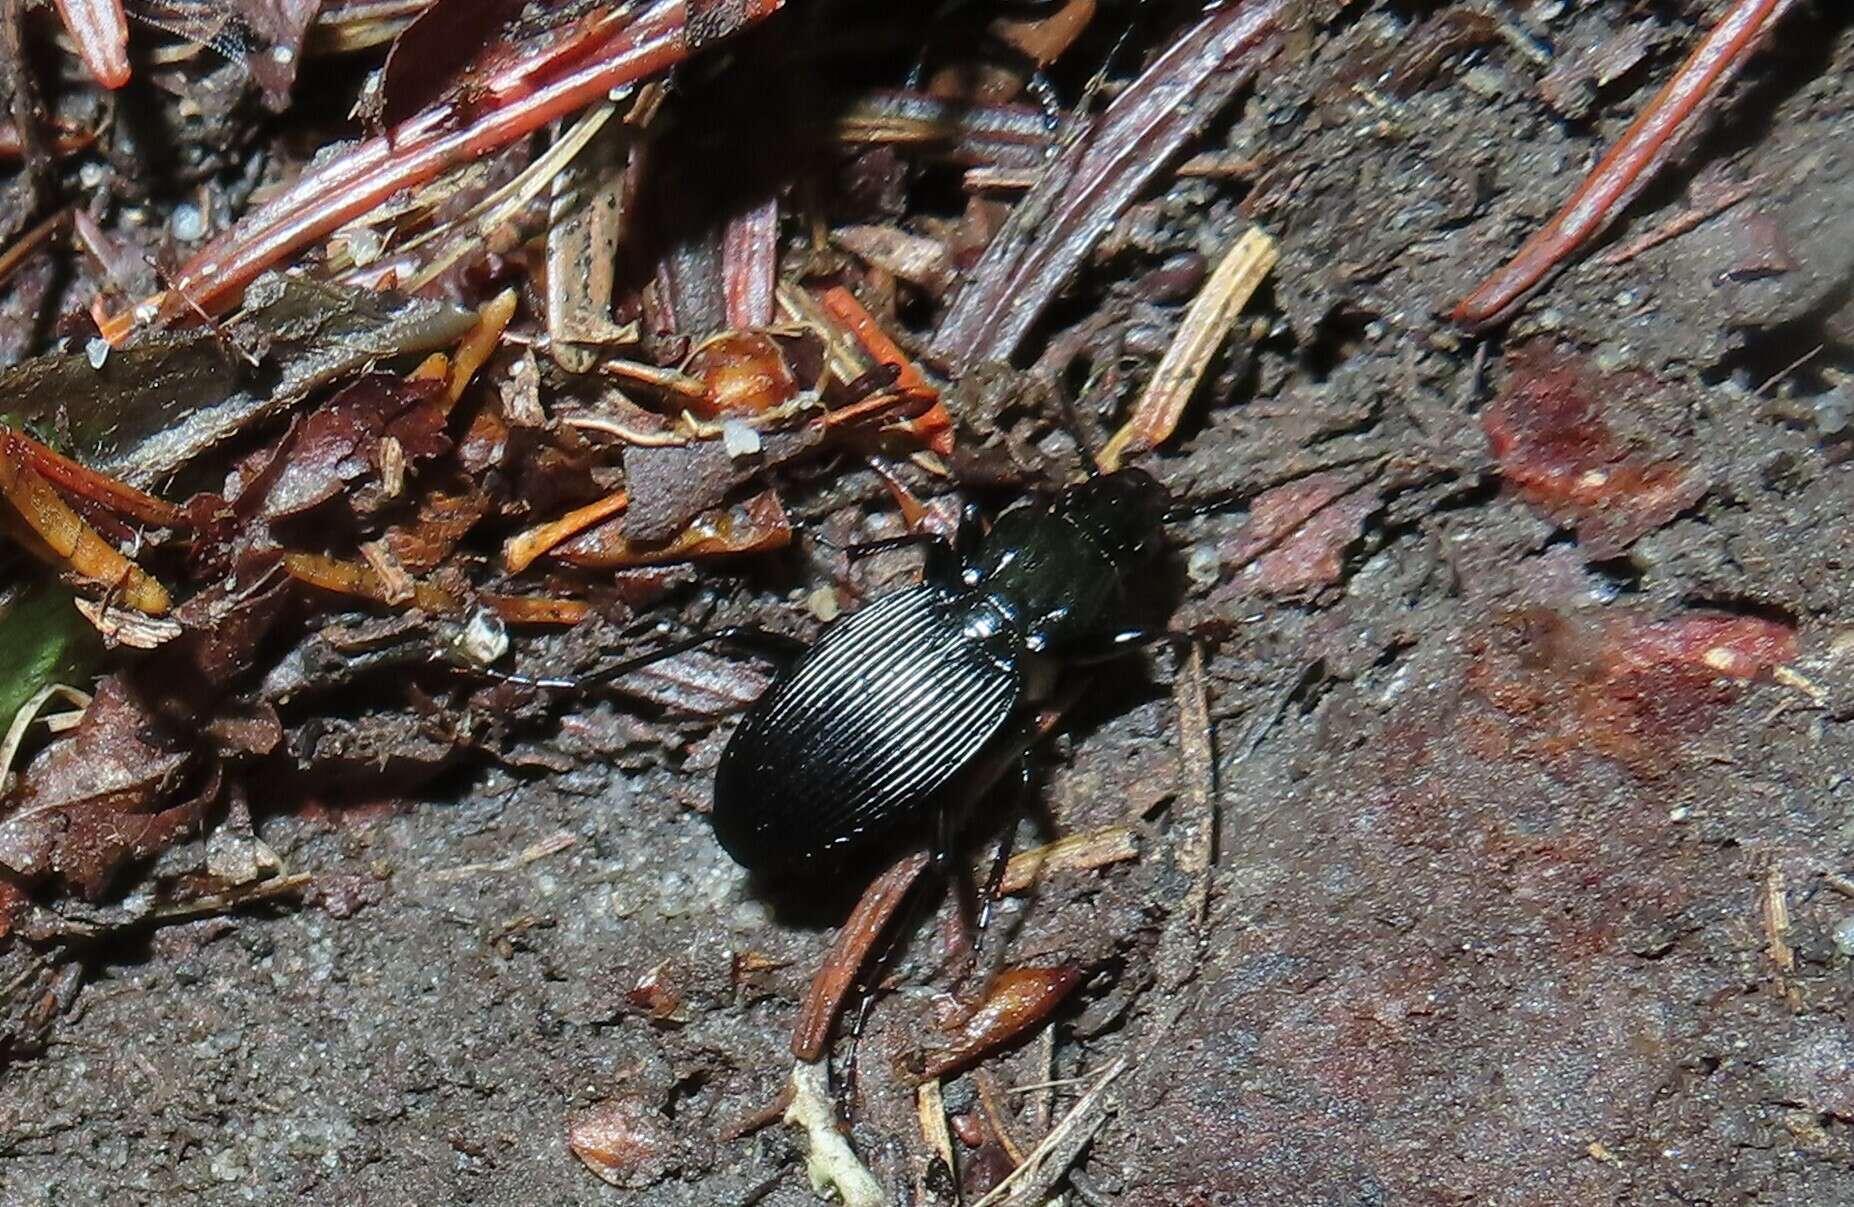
x,y
1118,645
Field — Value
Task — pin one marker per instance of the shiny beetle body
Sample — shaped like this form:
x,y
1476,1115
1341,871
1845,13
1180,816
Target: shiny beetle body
x,y
915,701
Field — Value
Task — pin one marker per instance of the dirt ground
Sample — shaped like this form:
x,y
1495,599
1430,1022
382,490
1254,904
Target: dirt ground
x,y
1534,876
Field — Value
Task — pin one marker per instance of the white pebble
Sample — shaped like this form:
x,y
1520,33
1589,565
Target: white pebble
x,y
188,223
822,602
1204,567
97,351
738,438
485,638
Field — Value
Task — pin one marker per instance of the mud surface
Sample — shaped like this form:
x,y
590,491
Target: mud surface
x,y
1535,875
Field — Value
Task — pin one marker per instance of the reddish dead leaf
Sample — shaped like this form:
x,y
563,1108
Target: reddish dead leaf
x,y
1016,1000
93,802
625,1141
1298,533
431,55
281,26
13,903
443,520
1556,451
657,994
1042,39
697,683
1706,643
339,442
671,485
226,623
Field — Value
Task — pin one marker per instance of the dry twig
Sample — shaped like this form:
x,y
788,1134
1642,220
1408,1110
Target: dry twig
x,y
1206,322
1638,155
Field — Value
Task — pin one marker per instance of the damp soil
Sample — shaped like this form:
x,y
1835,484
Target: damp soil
x,y
1518,897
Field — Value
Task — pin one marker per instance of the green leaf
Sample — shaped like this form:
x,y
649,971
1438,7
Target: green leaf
x,y
43,639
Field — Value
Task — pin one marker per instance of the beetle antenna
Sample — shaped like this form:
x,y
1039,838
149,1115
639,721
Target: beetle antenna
x,y
776,646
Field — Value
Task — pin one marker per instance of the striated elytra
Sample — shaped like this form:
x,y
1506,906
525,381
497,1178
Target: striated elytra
x,y
907,708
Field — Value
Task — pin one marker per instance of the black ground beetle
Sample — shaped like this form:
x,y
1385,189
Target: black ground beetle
x,y
912,704
910,707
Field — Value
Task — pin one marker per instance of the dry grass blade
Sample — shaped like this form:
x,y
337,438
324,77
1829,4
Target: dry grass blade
x,y
226,902
1206,322
28,712
503,206
1076,853
1051,1158
930,1110
1777,921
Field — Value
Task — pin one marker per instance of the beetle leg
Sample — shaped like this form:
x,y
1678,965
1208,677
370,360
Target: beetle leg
x,y
967,925
994,880
1116,645
865,548
971,530
1044,94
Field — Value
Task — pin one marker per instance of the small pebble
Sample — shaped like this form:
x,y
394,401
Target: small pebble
x,y
1844,936
188,223
1204,567
739,438
364,245
485,638
1832,412
96,352
822,602
1482,82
